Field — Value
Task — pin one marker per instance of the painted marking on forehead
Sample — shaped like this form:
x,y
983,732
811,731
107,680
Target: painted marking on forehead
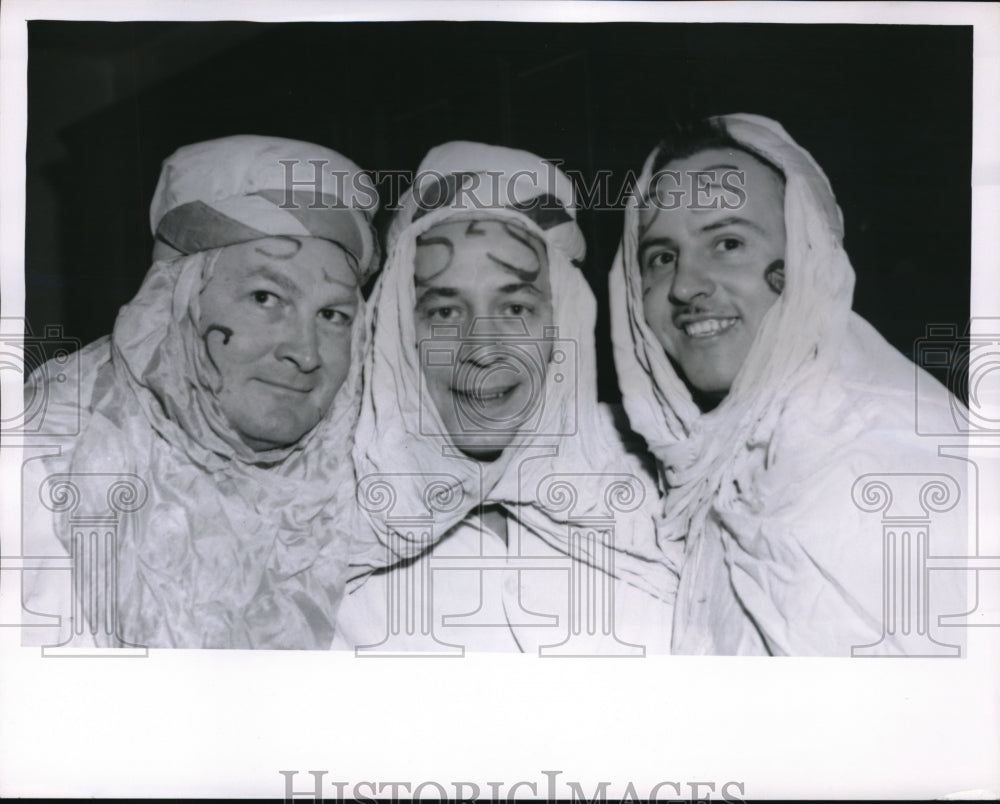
x,y
527,269
524,274
423,241
352,263
529,272
523,236
293,243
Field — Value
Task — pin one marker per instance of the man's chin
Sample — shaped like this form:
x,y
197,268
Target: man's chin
x,y
264,439
482,447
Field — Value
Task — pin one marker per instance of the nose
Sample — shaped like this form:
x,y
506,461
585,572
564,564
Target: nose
x,y
690,280
484,341
299,344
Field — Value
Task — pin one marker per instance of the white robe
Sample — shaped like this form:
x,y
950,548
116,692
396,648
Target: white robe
x,y
569,475
775,493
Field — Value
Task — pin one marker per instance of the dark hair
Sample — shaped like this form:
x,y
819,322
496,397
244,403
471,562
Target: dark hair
x,y
685,138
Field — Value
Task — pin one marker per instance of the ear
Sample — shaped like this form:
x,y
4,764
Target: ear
x,y
774,275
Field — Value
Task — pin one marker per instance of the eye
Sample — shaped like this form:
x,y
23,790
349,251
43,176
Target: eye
x,y
660,259
728,244
520,309
336,316
264,298
443,313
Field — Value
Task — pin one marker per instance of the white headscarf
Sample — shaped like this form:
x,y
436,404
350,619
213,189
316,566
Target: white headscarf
x,y
820,397
400,435
700,453
233,548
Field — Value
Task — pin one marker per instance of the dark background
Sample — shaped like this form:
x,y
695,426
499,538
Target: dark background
x,y
885,110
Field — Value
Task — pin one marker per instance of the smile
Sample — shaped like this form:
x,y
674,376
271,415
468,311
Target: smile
x,y
280,386
485,394
707,327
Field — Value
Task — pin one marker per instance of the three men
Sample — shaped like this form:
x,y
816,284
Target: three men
x,y
500,510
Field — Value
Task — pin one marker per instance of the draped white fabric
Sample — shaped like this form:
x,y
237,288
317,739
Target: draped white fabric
x,y
778,559
568,468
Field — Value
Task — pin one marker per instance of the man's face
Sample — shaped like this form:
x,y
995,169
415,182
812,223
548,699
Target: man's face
x,y
703,270
276,317
489,279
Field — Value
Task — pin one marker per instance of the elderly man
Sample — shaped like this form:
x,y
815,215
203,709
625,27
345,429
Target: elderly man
x,y
225,400
766,401
481,447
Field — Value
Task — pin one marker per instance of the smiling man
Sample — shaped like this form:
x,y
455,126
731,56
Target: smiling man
x,y
226,396
481,448
294,302
709,274
765,400
488,282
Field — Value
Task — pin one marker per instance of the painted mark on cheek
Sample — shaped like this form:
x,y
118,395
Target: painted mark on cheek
x,y
774,275
227,333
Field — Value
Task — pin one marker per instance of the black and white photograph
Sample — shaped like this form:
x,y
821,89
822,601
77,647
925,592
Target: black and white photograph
x,y
424,399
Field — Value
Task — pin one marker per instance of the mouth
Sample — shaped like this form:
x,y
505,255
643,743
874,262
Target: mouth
x,y
485,395
706,327
287,387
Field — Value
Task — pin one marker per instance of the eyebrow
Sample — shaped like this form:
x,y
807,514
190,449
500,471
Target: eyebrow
x,y
289,285
282,281
732,220
435,292
517,287
718,167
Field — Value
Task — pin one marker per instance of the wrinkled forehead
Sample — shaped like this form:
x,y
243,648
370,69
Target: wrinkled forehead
x,y
710,182
299,263
478,245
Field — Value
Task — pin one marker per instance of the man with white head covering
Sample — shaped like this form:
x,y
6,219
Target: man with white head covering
x,y
224,403
774,412
481,449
